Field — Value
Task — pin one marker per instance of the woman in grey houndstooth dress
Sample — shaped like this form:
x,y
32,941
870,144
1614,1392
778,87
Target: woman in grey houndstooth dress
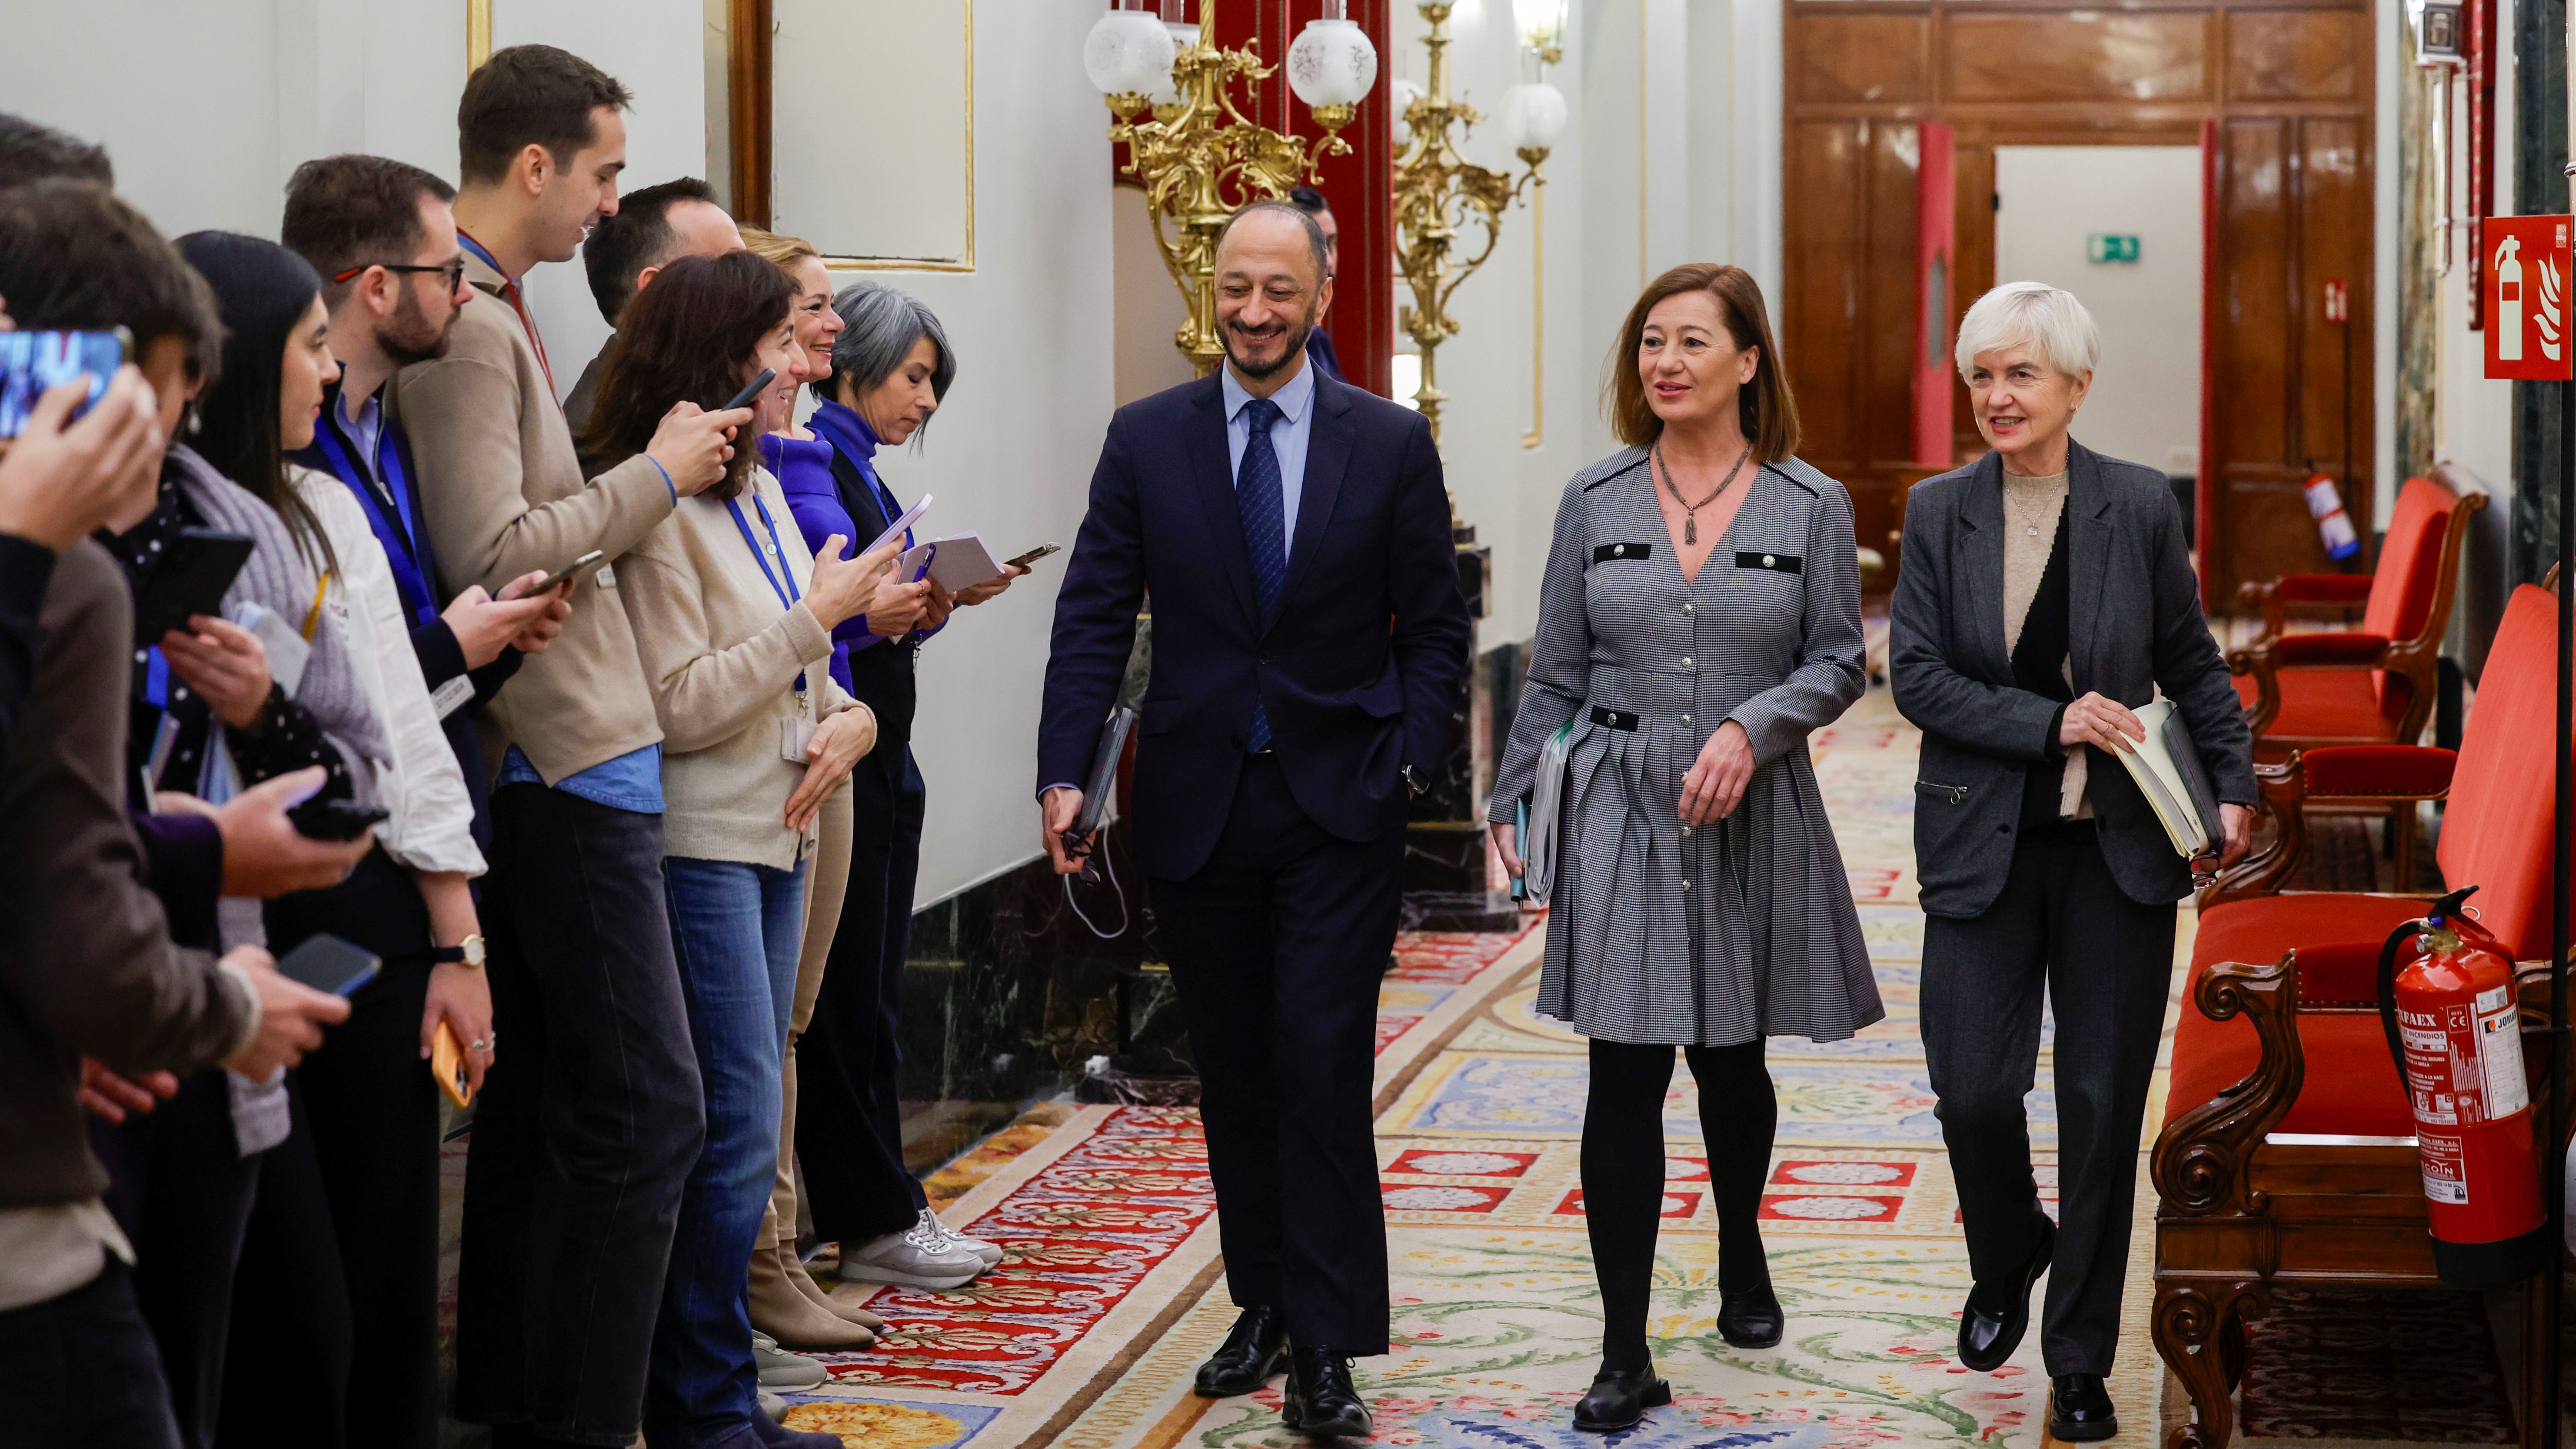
x,y
1700,615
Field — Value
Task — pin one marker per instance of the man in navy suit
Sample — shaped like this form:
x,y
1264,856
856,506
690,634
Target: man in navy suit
x,y
1310,659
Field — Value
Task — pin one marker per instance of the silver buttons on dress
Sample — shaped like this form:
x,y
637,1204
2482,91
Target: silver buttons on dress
x,y
1690,608
1686,830
1686,661
1685,719
1769,562
1685,885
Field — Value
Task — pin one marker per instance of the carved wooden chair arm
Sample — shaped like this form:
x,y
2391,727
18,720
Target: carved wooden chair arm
x,y
2263,662
2263,871
2201,1157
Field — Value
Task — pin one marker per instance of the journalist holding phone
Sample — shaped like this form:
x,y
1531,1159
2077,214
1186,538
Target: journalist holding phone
x,y
2045,594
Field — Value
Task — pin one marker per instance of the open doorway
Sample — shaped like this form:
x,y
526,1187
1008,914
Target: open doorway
x,y
2118,226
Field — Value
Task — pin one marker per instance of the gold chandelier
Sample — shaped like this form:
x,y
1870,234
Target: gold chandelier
x,y
1199,157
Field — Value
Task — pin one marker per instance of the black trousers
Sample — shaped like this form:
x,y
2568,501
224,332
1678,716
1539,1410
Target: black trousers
x,y
1623,1174
2062,927
182,1191
849,1110
80,1368
1277,945
586,1128
286,1371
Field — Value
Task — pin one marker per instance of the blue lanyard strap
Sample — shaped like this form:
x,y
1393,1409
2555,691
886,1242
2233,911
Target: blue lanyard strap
x,y
402,546
790,594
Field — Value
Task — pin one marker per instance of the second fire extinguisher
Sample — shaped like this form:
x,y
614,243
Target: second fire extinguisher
x,y
2456,1038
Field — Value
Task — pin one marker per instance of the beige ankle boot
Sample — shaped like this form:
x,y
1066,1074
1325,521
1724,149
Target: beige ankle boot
x,y
805,1284
779,1310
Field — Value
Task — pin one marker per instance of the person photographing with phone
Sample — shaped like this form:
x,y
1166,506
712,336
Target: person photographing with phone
x,y
733,618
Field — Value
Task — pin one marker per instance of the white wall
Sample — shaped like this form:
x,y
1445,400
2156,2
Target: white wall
x,y
2145,404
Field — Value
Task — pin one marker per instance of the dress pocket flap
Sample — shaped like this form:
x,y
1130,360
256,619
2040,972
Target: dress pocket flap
x,y
1778,563
1605,552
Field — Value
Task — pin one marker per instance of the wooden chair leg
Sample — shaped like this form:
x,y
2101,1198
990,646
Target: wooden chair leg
x,y
2193,1326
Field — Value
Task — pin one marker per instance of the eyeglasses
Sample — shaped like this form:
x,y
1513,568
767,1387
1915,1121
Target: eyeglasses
x,y
454,271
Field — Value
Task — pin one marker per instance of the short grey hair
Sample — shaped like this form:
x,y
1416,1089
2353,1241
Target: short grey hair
x,y
2032,314
879,325
1305,220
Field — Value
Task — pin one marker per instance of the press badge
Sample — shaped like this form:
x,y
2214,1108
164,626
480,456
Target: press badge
x,y
795,736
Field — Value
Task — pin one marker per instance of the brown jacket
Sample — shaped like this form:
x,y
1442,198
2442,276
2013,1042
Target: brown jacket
x,y
86,962
504,494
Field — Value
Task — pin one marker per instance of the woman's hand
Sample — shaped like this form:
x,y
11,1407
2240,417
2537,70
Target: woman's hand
x,y
484,626
896,609
1715,784
937,607
842,587
2238,823
2101,721
694,445
1503,837
992,588
225,664
460,996
838,744
111,1098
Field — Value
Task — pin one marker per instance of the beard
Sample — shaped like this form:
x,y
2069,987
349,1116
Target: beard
x,y
1293,335
409,336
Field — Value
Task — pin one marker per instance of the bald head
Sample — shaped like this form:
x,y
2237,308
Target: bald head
x,y
1271,286
1278,223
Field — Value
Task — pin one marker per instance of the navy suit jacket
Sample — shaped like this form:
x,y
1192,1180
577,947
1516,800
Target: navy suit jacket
x,y
1362,666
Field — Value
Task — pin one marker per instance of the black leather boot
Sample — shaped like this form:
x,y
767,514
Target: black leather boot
x,y
2079,1408
1619,1398
1752,1319
1254,1349
1322,1402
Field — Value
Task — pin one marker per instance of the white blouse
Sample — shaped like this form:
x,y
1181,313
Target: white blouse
x,y
432,825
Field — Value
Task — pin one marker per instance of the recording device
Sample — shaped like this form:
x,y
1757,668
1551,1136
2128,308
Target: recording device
x,y
31,362
1032,556
327,963
751,389
556,579
195,570
335,819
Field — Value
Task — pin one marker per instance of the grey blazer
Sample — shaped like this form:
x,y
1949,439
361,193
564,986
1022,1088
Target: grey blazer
x,y
2136,627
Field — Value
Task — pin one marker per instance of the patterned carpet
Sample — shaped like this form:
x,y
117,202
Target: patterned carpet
x,y
1087,1336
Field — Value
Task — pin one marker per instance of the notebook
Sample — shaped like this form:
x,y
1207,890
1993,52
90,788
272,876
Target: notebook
x,y
2169,773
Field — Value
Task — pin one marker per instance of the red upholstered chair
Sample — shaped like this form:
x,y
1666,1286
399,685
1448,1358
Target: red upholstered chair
x,y
2374,686
2287,1152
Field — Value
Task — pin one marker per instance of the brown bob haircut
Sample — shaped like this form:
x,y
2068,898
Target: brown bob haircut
x,y
689,337
1768,412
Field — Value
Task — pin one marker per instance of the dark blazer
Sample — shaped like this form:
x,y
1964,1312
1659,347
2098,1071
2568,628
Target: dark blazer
x,y
2136,626
1362,670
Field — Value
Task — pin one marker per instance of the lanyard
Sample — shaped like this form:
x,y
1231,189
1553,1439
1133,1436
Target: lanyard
x,y
510,288
402,545
788,596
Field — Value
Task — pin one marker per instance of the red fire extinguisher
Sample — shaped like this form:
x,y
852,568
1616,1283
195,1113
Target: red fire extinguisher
x,y
2457,1040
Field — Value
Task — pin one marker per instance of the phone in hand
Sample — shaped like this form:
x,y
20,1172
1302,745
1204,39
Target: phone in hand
x,y
327,963
335,819
447,1065
31,362
194,572
556,579
751,389
1032,556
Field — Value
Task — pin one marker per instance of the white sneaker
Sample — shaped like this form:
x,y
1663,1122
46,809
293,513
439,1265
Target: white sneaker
x,y
772,1406
989,1253
784,1372
918,1257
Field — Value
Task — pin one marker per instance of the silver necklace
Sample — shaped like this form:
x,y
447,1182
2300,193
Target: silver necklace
x,y
1690,510
2026,516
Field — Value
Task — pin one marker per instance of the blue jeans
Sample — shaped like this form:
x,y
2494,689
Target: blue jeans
x,y
735,928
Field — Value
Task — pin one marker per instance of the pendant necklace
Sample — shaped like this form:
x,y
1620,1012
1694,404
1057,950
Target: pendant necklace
x,y
1690,510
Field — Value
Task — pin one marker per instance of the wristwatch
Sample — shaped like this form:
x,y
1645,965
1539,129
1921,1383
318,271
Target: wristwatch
x,y
1414,784
469,951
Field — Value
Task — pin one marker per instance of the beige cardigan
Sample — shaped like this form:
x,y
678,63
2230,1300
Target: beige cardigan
x,y
503,492
721,658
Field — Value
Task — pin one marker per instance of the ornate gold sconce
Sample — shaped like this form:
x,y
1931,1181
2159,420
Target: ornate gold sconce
x,y
1198,156
1439,192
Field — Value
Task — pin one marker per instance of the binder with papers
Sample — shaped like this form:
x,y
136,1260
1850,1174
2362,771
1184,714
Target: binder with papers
x,y
2169,773
1544,818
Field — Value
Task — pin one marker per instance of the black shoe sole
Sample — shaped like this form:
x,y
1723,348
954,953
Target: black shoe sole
x,y
2081,1433
1656,1397
1336,1429
2004,1347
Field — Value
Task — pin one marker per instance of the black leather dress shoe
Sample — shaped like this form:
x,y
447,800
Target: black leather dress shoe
x,y
2079,1408
1321,1402
1619,1398
1254,1349
1989,1331
1750,1320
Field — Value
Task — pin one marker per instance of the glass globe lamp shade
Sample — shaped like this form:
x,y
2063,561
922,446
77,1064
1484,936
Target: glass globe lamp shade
x,y
1401,94
1532,116
1128,53
1332,63
1540,23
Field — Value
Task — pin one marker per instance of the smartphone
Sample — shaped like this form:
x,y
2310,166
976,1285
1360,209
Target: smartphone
x,y
335,819
447,1065
1032,556
327,963
556,579
751,389
31,362
195,570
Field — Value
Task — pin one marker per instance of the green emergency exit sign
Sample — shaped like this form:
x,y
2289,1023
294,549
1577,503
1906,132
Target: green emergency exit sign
x,y
2110,246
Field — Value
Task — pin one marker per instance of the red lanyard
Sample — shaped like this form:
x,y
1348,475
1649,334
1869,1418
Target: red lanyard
x,y
510,290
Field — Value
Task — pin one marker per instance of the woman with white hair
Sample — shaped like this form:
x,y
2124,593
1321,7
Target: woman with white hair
x,y
2045,595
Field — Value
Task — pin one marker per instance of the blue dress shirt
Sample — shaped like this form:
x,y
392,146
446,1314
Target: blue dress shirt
x,y
1296,400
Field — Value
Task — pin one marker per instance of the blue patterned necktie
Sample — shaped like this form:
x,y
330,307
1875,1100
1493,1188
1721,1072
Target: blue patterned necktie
x,y
1265,528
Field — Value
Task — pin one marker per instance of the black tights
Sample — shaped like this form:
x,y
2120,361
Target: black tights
x,y
1623,1174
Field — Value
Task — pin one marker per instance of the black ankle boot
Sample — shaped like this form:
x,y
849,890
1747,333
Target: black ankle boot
x,y
1750,1319
1619,1398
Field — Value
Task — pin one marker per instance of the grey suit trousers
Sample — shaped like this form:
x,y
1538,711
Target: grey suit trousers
x,y
2062,925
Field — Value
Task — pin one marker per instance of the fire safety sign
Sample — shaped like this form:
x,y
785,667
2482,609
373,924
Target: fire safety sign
x,y
2527,305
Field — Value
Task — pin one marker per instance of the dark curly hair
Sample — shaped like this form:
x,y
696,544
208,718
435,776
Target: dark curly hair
x,y
689,337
